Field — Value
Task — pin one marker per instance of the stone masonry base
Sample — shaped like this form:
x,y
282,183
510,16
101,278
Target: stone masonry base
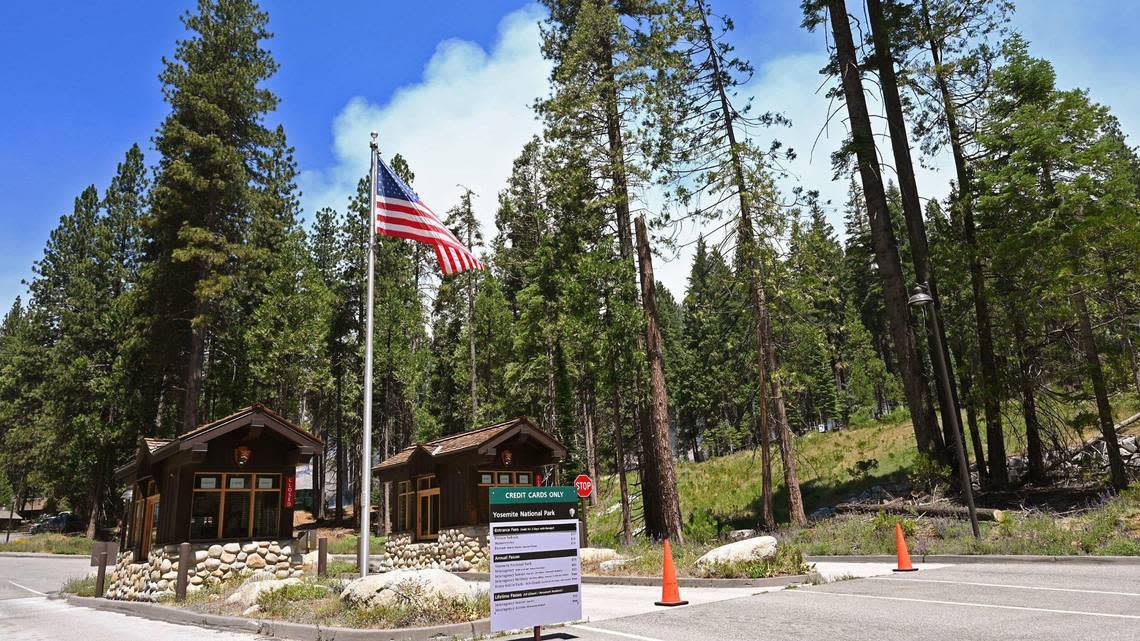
x,y
155,578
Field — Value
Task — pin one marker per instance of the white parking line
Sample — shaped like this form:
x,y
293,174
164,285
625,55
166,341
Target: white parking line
x,y
24,587
969,605
615,633
1006,585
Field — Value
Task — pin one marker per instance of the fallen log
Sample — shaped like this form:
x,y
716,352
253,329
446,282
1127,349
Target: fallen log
x,y
1126,422
911,509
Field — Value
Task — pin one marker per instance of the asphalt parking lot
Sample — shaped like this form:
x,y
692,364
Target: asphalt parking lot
x,y
990,602
975,601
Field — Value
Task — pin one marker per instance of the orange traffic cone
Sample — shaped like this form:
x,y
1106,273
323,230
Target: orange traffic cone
x,y
904,556
670,593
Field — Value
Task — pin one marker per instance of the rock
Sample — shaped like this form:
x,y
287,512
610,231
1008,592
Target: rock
x,y
249,591
215,551
213,564
164,566
403,585
254,561
249,548
740,535
597,555
201,555
754,549
271,558
252,610
232,548
228,558
822,513
613,564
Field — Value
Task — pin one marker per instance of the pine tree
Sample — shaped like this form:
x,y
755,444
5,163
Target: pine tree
x,y
210,147
862,146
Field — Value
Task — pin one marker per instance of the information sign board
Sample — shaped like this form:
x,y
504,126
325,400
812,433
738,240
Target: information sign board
x,y
535,570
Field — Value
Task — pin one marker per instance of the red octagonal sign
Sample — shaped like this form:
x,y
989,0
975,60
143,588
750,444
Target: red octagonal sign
x,y
584,486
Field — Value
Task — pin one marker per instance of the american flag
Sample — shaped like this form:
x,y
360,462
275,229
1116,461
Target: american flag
x,y
401,213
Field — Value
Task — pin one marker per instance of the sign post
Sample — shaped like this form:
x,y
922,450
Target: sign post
x,y
585,487
535,570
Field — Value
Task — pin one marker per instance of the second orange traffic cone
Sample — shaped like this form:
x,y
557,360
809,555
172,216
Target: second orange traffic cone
x,y
670,593
903,554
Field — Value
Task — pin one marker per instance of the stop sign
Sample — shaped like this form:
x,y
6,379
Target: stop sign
x,y
584,486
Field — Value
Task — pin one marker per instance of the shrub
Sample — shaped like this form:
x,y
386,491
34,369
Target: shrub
x,y
702,526
84,586
419,611
278,601
928,474
885,524
789,561
861,470
50,543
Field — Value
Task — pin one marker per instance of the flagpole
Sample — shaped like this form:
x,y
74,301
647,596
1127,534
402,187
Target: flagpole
x,y
366,445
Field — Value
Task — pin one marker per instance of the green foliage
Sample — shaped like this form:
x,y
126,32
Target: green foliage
x,y
49,543
84,586
884,524
276,602
928,473
702,527
416,609
789,561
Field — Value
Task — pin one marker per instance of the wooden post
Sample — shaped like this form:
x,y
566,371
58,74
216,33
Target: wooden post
x,y
101,576
538,633
185,558
584,515
322,556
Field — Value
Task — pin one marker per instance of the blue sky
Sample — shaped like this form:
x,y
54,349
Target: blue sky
x,y
447,83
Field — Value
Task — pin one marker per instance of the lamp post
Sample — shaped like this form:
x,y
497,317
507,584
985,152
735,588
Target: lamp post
x,y
921,299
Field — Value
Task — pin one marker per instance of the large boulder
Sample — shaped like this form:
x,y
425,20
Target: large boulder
x,y
759,548
247,594
407,585
597,555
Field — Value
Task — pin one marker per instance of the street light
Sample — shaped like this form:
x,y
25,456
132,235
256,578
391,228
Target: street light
x,y
921,299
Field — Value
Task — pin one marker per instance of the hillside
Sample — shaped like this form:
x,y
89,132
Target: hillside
x,y
723,493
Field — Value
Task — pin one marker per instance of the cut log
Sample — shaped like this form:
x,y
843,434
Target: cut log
x,y
910,509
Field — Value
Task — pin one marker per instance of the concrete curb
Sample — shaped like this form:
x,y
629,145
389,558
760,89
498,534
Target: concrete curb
x,y
981,558
606,579
684,582
281,629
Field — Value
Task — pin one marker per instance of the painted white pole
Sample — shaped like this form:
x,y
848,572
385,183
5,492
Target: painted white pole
x,y
366,446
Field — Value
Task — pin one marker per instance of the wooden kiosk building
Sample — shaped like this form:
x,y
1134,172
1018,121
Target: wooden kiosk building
x,y
443,484
232,480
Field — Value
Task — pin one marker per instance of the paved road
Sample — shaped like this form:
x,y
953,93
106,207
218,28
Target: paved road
x,y
24,576
983,602
1038,602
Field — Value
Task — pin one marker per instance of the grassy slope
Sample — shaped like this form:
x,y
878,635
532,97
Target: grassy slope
x,y
728,488
51,543
724,493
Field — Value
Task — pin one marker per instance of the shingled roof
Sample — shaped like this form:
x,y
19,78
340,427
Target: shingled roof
x,y
477,438
157,449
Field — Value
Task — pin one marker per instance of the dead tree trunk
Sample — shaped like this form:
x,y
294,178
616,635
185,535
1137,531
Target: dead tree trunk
x,y
661,454
765,355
